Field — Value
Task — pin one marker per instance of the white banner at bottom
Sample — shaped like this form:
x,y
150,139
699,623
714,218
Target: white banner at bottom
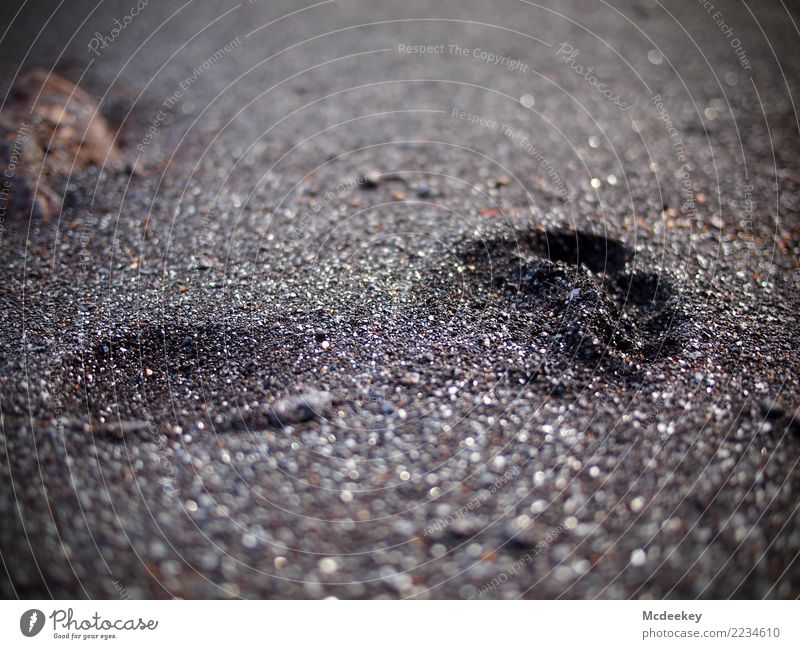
x,y
387,624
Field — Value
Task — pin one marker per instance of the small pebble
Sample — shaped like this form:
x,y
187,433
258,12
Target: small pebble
x,y
372,179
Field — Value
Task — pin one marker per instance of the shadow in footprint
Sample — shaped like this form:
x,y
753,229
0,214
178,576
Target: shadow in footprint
x,y
580,293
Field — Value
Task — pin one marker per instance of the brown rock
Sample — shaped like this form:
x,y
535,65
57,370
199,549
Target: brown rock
x,y
49,130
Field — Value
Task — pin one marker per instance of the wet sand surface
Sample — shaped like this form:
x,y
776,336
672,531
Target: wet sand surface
x,y
361,319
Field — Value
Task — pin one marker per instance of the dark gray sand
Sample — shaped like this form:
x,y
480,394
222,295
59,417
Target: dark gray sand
x,y
334,339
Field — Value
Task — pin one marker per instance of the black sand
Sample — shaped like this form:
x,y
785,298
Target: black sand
x,y
333,340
